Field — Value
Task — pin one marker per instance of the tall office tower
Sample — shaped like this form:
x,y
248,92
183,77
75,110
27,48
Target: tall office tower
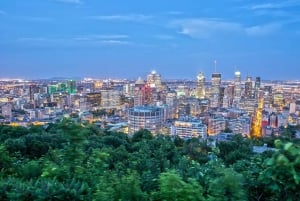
x,y
154,80
142,93
71,87
33,89
248,87
268,96
200,92
237,89
257,86
171,102
237,85
215,90
139,97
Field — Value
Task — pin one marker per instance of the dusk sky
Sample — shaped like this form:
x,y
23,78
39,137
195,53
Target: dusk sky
x,y
130,38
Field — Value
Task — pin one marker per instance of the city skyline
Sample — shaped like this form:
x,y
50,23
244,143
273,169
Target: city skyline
x,y
89,38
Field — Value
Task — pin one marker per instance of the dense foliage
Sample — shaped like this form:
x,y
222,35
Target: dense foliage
x,y
71,161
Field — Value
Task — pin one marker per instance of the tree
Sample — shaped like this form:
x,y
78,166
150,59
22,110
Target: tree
x,y
173,188
227,186
281,175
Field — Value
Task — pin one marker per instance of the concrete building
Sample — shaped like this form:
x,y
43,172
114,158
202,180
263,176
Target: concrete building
x,y
145,117
215,90
110,99
241,125
216,125
6,110
189,128
200,90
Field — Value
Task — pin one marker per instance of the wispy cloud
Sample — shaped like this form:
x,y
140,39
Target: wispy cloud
x,y
278,5
70,1
101,37
205,27
129,17
114,42
262,30
211,27
2,12
272,13
86,41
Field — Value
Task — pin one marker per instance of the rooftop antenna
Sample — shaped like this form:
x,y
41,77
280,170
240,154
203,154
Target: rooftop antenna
x,y
215,62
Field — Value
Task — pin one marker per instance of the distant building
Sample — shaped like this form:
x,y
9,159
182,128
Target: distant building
x,y
6,110
110,99
248,88
216,125
240,125
154,80
145,117
171,101
237,86
200,91
189,128
215,90
142,93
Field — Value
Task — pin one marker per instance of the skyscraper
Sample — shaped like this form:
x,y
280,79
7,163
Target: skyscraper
x,y
154,80
237,89
71,87
237,85
142,93
200,91
248,87
215,89
257,86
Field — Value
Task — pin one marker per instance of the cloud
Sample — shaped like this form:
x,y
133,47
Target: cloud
x,y
129,17
86,41
101,37
205,27
212,27
278,5
273,13
114,42
70,1
262,30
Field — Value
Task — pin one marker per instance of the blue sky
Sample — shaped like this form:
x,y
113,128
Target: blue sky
x,y
127,39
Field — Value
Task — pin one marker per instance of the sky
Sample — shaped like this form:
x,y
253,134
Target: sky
x,y
127,39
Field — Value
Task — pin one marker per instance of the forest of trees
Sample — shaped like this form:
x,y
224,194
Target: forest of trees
x,y
72,161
